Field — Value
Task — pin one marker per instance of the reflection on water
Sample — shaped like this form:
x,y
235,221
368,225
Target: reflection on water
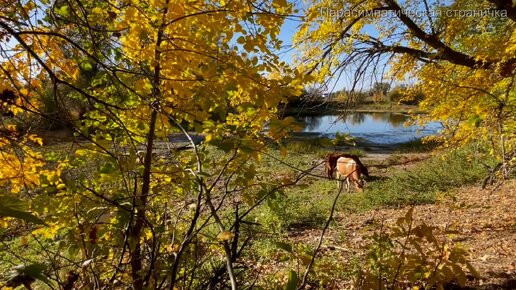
x,y
381,127
312,123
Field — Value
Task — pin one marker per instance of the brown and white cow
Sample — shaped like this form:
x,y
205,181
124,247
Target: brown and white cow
x,y
347,167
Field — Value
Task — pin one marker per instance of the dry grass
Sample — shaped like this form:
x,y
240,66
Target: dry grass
x,y
485,223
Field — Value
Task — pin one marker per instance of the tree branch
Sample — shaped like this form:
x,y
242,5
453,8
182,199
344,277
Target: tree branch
x,y
433,41
136,258
506,5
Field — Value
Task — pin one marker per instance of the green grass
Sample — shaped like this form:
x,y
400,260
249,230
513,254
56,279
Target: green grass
x,y
308,205
24,250
420,184
417,145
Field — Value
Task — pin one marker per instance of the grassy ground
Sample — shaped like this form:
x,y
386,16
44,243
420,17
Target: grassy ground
x,y
481,222
307,205
411,176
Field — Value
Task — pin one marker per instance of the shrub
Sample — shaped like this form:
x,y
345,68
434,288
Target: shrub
x,y
344,139
409,255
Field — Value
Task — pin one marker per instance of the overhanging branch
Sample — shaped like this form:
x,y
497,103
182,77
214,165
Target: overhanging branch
x,y
506,5
445,52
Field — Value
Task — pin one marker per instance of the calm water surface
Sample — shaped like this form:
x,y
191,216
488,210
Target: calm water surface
x,y
380,128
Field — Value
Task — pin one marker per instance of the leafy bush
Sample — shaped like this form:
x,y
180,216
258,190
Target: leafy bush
x,y
344,139
409,255
405,95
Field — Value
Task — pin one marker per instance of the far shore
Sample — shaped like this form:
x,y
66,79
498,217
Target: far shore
x,y
339,108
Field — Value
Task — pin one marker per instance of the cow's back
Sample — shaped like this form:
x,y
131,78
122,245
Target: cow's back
x,y
348,167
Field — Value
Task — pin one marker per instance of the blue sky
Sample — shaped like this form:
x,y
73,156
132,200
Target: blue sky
x,y
286,33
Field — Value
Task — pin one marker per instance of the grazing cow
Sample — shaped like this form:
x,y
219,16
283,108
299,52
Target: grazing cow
x,y
348,168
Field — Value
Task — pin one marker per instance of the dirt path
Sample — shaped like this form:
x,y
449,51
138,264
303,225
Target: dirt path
x,y
485,224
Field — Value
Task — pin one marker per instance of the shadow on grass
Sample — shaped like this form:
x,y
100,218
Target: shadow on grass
x,y
375,178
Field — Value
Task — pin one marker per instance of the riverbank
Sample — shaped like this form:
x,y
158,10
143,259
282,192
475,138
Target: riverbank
x,y
400,177
448,201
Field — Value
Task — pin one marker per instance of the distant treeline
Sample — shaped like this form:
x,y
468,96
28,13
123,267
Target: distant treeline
x,y
380,92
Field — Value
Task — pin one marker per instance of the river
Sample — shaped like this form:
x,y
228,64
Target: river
x,y
373,127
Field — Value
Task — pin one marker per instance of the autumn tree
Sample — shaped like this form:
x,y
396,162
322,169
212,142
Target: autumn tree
x,y
379,91
462,54
120,204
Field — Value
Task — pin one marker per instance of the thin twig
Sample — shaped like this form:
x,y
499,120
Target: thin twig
x,y
327,224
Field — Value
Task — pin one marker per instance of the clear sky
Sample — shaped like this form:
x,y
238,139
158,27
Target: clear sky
x,y
287,31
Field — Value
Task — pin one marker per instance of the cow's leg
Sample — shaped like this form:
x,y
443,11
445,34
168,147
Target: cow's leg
x,y
339,181
347,184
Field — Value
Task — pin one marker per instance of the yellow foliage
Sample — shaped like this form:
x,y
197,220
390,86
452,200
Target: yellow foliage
x,y
48,232
207,66
225,236
474,102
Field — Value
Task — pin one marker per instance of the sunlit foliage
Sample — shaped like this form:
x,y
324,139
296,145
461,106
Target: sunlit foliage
x,y
120,206
460,53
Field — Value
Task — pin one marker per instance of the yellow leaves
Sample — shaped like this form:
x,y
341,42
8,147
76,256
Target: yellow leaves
x,y
97,15
131,13
36,139
21,170
4,223
173,248
48,232
176,8
148,235
415,252
27,9
511,44
225,236
143,86
204,77
52,49
280,128
81,152
11,128
98,10
249,45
